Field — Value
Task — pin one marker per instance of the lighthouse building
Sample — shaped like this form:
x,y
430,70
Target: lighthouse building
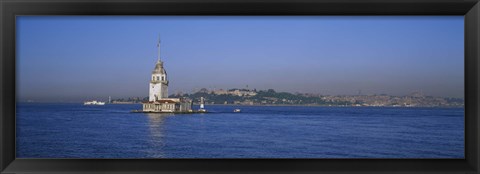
x,y
158,100
158,83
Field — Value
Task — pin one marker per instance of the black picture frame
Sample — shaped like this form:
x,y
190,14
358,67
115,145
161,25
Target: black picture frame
x,y
9,9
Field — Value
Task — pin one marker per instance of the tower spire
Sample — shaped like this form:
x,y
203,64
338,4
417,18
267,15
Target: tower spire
x,y
158,48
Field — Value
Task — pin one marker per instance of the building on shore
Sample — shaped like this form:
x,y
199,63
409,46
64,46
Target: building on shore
x,y
158,100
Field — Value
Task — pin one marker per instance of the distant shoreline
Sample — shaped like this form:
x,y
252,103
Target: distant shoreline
x,y
350,106
341,106
81,103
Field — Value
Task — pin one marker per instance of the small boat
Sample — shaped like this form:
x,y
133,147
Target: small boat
x,y
93,102
236,110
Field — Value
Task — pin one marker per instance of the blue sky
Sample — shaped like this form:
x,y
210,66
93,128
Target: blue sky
x,y
62,58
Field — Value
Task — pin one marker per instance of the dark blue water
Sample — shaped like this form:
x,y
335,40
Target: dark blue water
x,y
111,131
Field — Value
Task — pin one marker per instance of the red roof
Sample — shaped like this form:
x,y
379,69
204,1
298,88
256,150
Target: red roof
x,y
166,101
161,101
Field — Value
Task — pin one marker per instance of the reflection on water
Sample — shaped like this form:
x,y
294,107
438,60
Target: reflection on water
x,y
156,128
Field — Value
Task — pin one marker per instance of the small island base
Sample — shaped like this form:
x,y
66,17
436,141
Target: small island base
x,y
168,112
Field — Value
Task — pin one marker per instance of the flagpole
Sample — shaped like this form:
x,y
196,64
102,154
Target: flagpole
x,y
158,47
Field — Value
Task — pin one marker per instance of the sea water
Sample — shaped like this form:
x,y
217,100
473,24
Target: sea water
x,y
60,130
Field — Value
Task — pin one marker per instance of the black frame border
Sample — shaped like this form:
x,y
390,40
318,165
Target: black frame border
x,y
9,9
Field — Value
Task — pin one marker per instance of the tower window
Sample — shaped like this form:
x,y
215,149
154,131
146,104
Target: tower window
x,y
163,78
158,78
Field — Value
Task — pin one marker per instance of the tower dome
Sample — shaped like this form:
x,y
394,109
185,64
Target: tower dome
x,y
159,68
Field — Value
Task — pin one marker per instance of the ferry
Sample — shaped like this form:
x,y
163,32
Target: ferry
x,y
93,102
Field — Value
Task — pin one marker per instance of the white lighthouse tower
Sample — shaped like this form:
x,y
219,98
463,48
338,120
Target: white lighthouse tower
x,y
158,101
159,81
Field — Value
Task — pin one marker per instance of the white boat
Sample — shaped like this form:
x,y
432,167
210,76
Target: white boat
x,y
93,102
236,110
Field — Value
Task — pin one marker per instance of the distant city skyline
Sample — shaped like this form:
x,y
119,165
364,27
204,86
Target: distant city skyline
x,y
62,58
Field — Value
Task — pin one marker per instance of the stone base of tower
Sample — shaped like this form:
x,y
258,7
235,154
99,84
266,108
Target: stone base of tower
x,y
168,105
